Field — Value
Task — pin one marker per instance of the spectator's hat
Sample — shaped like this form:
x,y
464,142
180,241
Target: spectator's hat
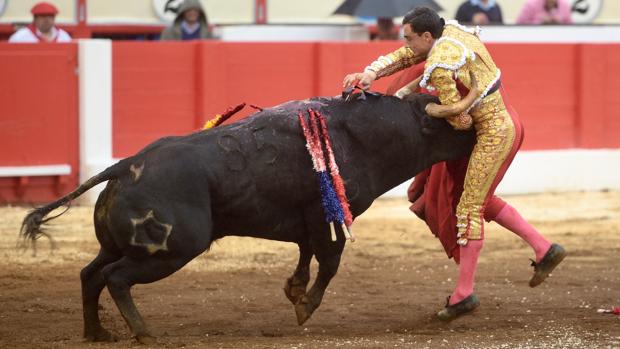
x,y
44,9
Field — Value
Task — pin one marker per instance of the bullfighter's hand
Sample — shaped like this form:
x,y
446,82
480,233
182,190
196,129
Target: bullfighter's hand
x,y
417,59
461,122
364,80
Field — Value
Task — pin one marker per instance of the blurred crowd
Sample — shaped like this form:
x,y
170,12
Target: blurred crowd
x,y
489,12
537,12
191,21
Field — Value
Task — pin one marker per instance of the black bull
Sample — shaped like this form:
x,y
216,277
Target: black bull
x,y
166,205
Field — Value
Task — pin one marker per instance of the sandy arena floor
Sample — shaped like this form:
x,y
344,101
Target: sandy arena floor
x,y
390,283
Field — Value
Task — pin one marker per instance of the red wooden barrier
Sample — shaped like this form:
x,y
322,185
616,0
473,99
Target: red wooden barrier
x,y
38,118
541,83
564,93
599,88
153,93
173,88
552,86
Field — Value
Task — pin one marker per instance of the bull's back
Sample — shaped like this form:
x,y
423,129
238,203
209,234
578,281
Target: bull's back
x,y
260,173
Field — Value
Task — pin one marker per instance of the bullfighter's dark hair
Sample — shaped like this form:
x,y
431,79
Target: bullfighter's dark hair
x,y
423,19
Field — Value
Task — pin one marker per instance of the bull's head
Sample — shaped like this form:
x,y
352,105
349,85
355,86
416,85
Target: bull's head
x,y
438,136
447,111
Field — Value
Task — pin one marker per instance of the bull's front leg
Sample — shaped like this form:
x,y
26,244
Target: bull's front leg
x,y
295,286
328,255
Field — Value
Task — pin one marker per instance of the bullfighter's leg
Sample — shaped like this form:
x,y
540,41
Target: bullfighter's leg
x,y
295,286
92,285
509,218
122,275
328,254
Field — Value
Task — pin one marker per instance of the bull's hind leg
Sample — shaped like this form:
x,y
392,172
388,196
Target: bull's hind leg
x,y
122,275
328,255
92,285
295,286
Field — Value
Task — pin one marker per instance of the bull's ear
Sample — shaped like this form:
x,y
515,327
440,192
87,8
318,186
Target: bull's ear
x,y
426,124
430,125
418,101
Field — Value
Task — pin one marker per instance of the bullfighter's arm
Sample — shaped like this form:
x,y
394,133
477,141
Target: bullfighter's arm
x,y
442,79
450,97
392,62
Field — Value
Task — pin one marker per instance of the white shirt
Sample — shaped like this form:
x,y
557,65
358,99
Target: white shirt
x,y
25,35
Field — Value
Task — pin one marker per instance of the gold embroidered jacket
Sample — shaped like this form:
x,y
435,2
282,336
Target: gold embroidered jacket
x,y
458,51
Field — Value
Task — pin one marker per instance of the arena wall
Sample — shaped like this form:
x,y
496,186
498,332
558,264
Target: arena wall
x,y
56,123
39,145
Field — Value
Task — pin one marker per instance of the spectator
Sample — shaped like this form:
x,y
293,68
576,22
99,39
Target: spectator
x,y
386,30
191,23
479,12
545,12
42,28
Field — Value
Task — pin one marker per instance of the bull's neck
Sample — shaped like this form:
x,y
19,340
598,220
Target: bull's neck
x,y
396,151
400,156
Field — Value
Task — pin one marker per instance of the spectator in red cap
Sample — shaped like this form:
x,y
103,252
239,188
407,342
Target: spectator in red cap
x,y
42,28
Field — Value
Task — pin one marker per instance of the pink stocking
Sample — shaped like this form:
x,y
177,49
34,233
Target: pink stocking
x,y
510,219
467,270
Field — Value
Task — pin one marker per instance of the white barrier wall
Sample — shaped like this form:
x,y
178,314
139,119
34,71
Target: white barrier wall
x,y
95,75
555,170
292,33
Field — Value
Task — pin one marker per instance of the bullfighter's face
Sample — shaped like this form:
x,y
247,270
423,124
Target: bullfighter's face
x,y
420,44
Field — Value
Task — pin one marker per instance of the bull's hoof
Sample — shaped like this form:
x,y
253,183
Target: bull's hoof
x,y
303,311
146,339
293,292
102,335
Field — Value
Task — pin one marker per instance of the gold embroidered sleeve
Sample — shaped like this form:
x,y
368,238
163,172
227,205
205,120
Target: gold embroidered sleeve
x,y
448,95
443,81
392,62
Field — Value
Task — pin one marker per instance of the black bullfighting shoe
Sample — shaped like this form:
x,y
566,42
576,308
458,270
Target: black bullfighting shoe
x,y
552,258
466,306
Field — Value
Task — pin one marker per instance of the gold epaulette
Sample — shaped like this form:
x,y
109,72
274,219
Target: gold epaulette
x,y
448,53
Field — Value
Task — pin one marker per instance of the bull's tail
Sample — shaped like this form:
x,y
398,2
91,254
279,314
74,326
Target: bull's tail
x,y
31,226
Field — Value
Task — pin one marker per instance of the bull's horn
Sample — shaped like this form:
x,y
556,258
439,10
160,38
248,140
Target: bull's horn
x,y
444,111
